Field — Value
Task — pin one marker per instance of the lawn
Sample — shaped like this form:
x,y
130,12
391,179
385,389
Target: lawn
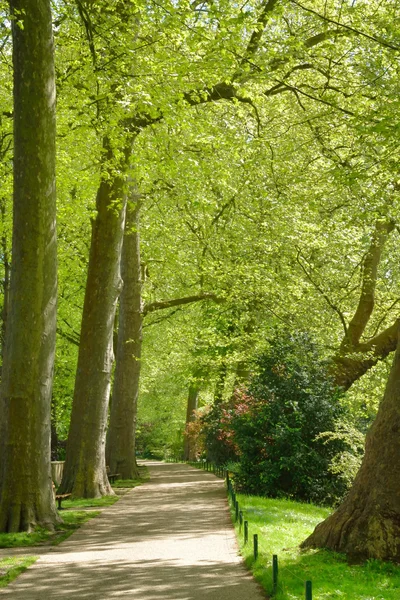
x,y
72,519
281,525
10,568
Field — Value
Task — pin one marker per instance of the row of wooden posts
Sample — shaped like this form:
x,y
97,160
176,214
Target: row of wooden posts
x,y
244,524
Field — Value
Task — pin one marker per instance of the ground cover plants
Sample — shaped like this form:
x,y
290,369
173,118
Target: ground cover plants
x,y
11,567
281,526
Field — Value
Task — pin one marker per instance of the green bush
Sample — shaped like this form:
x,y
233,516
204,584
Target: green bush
x,y
277,425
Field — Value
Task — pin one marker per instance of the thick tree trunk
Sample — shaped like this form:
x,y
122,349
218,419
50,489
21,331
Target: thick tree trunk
x,y
348,368
122,428
192,405
25,472
85,468
355,357
367,523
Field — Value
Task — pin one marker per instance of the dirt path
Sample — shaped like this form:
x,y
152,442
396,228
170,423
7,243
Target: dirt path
x,y
169,539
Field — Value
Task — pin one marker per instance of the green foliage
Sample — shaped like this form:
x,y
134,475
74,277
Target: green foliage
x,y
132,483
290,401
11,567
281,526
346,463
72,520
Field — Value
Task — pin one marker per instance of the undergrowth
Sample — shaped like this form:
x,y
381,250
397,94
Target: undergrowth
x,y
10,568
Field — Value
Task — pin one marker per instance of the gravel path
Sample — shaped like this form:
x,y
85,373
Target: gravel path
x,y
169,539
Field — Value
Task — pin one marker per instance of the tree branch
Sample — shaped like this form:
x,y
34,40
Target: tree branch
x,y
162,304
348,368
347,27
333,306
257,34
366,302
71,338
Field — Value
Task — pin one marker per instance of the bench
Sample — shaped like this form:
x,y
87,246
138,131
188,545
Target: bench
x,y
112,476
60,498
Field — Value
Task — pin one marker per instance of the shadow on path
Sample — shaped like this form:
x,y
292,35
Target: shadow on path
x,y
169,539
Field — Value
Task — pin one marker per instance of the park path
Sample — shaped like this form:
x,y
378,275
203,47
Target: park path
x,y
169,539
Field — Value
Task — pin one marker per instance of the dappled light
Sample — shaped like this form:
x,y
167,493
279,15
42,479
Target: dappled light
x,y
169,539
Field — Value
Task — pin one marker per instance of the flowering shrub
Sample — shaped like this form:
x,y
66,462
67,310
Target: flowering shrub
x,y
273,428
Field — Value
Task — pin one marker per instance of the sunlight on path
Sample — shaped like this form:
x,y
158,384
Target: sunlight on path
x,y
169,539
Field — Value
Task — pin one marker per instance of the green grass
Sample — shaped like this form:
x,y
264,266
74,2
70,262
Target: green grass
x,y
10,568
72,518
281,525
72,521
132,483
87,503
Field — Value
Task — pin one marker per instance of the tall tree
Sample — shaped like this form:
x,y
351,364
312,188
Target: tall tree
x,y
85,468
192,406
121,433
25,474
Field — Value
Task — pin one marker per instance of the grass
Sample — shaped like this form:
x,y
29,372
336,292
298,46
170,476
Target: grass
x,y
281,525
87,503
10,568
73,517
132,483
72,521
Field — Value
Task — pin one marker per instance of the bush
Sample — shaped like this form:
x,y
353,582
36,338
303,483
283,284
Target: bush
x,y
277,424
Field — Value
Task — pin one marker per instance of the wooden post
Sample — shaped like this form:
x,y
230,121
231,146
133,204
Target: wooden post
x,y
255,544
274,573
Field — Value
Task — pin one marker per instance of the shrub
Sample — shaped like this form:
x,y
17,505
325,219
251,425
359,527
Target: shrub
x,y
277,424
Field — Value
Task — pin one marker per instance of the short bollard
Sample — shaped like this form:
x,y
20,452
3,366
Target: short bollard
x,y
274,573
308,590
246,532
240,520
236,511
255,543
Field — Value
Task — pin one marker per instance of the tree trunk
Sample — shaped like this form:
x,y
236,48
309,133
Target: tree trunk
x,y
6,283
85,468
220,384
192,405
25,471
367,523
121,434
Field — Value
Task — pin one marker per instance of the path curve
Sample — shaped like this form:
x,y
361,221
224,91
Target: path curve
x,y
169,539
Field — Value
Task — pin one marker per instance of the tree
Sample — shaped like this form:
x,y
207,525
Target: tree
x,y
366,524
120,450
85,469
25,475
132,311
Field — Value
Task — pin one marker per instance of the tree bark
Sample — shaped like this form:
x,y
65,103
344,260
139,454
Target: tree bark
x,y
85,467
6,283
367,523
348,368
355,357
25,472
192,405
122,428
220,384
